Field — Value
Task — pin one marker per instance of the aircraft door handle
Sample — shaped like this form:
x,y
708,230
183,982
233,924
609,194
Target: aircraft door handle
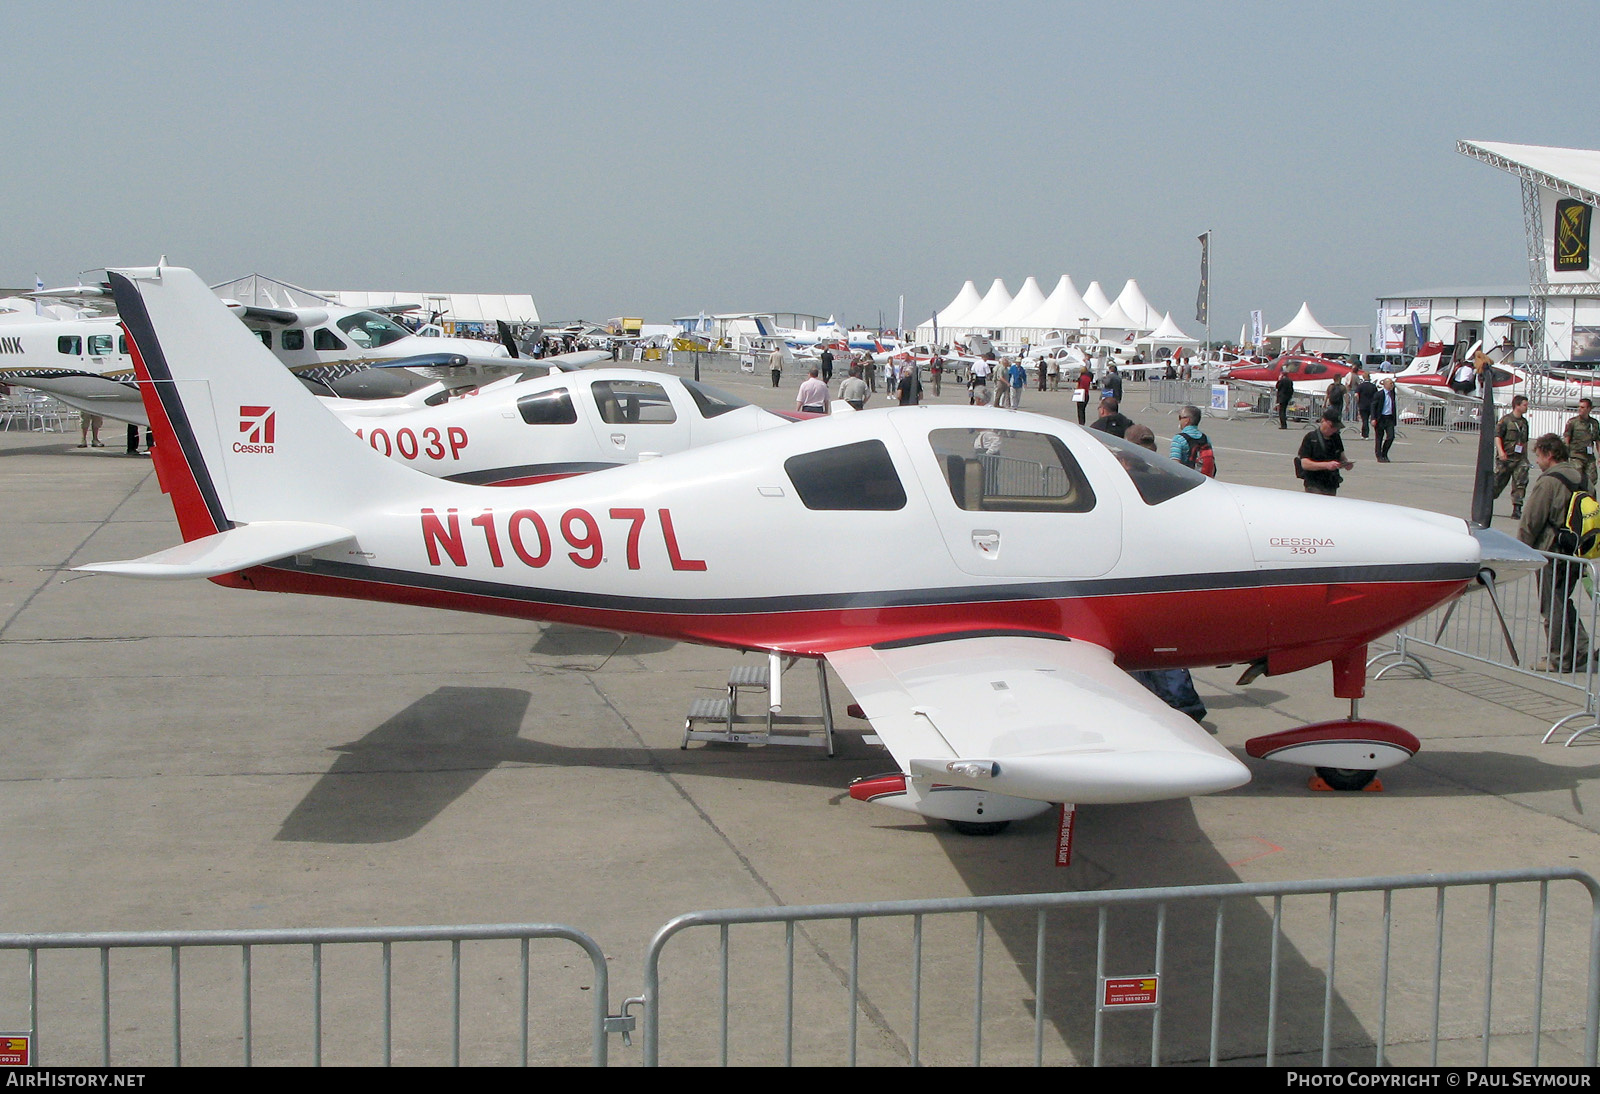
x,y
986,542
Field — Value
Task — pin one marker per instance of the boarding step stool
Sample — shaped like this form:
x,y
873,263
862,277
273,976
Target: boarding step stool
x,y
721,720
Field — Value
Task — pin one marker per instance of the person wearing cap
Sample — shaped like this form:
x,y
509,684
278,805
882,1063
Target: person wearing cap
x,y
1321,457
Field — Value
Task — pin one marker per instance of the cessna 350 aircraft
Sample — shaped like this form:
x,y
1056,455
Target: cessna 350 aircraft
x,y
1031,569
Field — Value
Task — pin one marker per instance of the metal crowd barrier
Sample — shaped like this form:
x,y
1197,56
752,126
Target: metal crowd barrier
x,y
149,993
1557,652
1384,970
1175,393
1366,971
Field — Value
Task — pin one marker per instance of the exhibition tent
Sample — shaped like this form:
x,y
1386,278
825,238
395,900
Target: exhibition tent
x,y
1114,319
1064,310
1304,327
994,302
1096,298
1137,308
1013,321
1168,334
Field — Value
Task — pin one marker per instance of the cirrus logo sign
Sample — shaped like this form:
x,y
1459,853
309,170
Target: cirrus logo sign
x,y
259,426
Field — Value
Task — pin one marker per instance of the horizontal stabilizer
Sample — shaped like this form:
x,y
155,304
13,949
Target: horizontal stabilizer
x,y
226,552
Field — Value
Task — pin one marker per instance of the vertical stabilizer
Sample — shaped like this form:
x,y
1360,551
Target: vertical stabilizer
x,y
238,438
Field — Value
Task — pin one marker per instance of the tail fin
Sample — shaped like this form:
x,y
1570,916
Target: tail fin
x,y
761,327
239,439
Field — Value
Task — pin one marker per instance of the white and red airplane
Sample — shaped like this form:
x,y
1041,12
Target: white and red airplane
x,y
515,432
1032,568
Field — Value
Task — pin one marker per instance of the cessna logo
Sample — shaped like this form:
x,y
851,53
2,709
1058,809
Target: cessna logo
x,y
259,426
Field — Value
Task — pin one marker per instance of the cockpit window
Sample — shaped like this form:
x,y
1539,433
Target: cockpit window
x,y
369,330
1006,470
552,407
852,476
711,401
1155,477
633,402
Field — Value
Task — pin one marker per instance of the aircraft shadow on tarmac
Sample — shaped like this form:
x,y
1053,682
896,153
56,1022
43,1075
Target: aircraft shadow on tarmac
x,y
389,784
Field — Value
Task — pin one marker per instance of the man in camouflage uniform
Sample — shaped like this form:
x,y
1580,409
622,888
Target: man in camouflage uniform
x,y
1582,435
1511,454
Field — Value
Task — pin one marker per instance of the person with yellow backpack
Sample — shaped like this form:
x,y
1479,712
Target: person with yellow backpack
x,y
1544,527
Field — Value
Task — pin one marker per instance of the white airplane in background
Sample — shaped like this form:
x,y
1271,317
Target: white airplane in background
x,y
520,431
355,353
1032,565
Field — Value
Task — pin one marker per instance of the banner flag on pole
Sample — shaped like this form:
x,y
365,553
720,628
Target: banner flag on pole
x,y
1202,304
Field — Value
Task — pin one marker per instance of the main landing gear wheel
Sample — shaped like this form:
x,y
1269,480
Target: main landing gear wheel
x,y
979,828
1346,778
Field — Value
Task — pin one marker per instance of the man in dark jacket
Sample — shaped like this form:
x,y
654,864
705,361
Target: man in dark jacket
x,y
1366,394
1111,420
1385,416
1285,391
1321,457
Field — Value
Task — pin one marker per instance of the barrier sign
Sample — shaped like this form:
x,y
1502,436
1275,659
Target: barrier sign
x,y
16,1049
1129,991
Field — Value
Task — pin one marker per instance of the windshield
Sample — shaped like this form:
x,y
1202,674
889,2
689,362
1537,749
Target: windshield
x,y
1156,477
369,330
711,401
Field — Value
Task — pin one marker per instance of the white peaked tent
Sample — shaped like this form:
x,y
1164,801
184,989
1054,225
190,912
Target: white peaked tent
x,y
1063,310
1304,326
1168,334
1096,298
1013,321
965,301
1114,319
994,302
1136,307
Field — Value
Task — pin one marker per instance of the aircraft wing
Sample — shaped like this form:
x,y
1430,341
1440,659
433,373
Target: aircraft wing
x,y
85,391
1031,716
238,548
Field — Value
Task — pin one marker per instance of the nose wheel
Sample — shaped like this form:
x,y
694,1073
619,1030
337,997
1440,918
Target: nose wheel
x,y
1346,778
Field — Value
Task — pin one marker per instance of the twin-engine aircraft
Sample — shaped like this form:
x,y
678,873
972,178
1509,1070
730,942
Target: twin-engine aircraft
x,y
1019,565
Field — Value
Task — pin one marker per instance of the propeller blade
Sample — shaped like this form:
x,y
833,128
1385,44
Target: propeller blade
x,y
1486,578
506,338
1483,474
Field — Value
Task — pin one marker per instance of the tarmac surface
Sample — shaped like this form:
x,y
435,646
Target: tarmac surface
x,y
183,756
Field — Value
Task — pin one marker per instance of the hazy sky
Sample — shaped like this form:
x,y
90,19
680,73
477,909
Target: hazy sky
x,y
656,159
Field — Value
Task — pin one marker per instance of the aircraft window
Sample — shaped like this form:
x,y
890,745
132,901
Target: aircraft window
x,y
122,344
69,343
99,345
548,408
1315,370
711,401
852,476
1156,477
266,337
326,339
633,402
294,339
369,330
1005,470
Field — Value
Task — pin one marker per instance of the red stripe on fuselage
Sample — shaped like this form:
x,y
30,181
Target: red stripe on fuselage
x,y
1145,630
172,468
